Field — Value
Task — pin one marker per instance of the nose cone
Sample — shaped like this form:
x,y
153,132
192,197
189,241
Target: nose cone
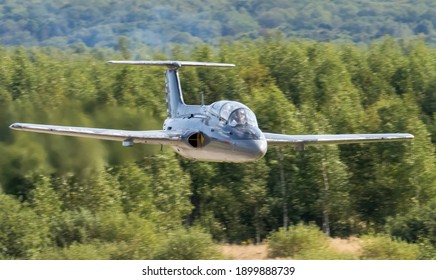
x,y
260,147
249,143
250,150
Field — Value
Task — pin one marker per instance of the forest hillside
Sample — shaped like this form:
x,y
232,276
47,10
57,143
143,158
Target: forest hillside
x,y
99,23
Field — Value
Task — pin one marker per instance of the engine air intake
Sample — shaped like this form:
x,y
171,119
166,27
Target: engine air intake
x,y
197,140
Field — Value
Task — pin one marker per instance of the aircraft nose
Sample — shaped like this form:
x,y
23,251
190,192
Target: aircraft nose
x,y
251,149
260,147
249,143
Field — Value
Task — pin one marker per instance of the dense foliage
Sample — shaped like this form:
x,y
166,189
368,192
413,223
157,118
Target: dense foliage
x,y
150,23
65,197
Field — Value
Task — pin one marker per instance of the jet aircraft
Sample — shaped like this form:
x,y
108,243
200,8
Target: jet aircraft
x,y
224,131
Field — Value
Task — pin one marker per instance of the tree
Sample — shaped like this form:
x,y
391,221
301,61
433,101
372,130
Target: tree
x,y
171,189
98,191
136,190
45,202
23,80
402,172
20,233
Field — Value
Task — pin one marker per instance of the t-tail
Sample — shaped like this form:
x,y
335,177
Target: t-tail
x,y
174,95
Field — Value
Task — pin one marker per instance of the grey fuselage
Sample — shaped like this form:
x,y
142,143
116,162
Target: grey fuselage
x,y
212,132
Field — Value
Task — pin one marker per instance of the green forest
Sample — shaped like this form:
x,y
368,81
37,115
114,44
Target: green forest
x,y
99,23
72,198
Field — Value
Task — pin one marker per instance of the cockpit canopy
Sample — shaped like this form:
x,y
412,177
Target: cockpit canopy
x,y
233,113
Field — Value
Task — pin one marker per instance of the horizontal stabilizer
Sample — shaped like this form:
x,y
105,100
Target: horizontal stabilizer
x,y
169,63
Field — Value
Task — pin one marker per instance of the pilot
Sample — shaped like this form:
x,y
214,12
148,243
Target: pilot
x,y
238,117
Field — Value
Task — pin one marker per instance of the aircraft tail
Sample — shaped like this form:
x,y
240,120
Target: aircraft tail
x,y
173,89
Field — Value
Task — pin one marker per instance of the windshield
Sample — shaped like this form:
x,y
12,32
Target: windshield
x,y
233,113
242,116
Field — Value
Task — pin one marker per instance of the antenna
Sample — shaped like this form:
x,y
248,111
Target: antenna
x,y
202,98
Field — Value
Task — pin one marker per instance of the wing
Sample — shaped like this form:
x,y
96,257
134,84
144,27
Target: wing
x,y
128,137
301,140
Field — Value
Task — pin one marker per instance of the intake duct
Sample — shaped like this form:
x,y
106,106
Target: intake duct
x,y
197,140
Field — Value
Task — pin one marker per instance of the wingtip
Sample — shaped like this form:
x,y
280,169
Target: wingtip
x,y
14,126
18,126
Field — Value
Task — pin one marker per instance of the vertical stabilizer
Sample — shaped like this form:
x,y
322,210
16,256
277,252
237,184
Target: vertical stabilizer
x,y
174,96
